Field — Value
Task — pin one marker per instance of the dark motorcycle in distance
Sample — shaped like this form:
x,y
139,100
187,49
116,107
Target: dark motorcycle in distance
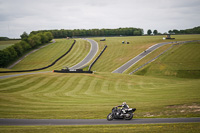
x,y
117,113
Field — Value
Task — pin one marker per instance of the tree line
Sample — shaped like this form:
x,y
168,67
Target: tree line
x,y
63,33
27,43
155,32
4,39
195,30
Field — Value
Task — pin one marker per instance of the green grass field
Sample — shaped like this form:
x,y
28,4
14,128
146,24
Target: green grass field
x,y
47,55
180,61
150,128
5,44
92,96
117,53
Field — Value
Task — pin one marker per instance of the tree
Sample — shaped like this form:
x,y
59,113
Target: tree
x,y
49,35
18,48
92,32
13,53
149,32
170,32
4,58
137,32
34,40
155,32
175,31
25,45
4,38
24,36
44,38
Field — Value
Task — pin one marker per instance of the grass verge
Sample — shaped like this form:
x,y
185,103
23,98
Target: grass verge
x,y
144,128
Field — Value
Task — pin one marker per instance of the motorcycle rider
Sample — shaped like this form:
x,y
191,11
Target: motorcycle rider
x,y
124,107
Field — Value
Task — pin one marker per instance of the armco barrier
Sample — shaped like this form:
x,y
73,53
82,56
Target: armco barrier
x,y
97,57
37,69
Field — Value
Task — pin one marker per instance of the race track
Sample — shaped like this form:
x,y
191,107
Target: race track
x,y
93,121
21,74
89,57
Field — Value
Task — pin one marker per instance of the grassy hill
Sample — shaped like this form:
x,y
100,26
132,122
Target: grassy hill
x,y
47,55
117,53
77,96
181,61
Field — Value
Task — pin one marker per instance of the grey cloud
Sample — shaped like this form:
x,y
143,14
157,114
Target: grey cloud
x,y
27,15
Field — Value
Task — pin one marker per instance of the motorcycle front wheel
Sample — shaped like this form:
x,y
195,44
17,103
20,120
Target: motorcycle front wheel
x,y
110,117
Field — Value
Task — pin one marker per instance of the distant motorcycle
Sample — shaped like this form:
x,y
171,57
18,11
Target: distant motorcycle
x,y
117,113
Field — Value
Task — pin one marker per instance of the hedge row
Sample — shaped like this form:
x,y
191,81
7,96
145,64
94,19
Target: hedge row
x,y
27,43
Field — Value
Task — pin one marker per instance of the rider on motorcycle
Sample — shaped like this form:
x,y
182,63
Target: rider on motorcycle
x,y
124,107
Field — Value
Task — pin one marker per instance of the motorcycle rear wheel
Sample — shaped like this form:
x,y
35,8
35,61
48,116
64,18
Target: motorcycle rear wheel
x,y
129,117
110,117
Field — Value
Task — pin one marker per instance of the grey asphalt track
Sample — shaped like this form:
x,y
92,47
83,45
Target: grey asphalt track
x,y
27,122
21,74
89,57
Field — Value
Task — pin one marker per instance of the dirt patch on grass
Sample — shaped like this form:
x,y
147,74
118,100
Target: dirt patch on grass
x,y
194,107
149,115
181,110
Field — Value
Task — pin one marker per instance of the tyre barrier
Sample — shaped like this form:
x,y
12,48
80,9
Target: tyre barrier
x,y
72,71
37,69
97,57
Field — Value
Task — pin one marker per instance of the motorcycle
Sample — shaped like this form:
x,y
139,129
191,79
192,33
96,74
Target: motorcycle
x,y
117,113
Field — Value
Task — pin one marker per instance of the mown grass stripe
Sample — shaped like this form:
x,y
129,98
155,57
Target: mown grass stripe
x,y
27,86
18,85
65,88
91,87
78,82
37,86
85,84
9,82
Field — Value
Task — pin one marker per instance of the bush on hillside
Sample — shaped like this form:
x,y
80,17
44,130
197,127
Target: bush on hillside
x,y
34,40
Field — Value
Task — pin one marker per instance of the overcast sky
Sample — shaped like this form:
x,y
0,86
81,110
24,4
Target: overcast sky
x,y
17,16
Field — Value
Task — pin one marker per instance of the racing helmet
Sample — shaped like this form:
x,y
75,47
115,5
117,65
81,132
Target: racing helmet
x,y
123,103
